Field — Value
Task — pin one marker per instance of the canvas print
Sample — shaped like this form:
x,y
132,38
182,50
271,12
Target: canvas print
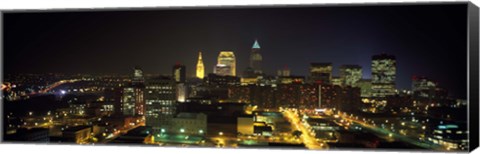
x,y
312,77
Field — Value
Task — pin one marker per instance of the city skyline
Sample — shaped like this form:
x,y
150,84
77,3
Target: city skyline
x,y
82,42
310,77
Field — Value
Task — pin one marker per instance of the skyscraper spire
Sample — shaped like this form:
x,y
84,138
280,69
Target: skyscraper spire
x,y
256,45
200,67
256,58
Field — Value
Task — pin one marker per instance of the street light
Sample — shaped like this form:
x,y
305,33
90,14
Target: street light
x,y
182,130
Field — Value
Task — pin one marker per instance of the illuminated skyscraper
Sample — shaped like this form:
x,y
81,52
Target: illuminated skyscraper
x,y
132,100
128,101
256,58
181,92
228,58
160,100
423,87
321,72
222,69
365,86
350,74
200,67
420,83
336,81
383,75
139,99
178,73
138,75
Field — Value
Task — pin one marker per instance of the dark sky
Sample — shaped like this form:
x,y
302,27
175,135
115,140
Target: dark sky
x,y
427,40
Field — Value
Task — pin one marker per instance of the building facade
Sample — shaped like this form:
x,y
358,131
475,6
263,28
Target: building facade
x,y
200,73
321,72
256,58
190,124
138,75
133,103
160,101
366,87
350,75
245,125
222,69
227,58
179,73
128,101
383,75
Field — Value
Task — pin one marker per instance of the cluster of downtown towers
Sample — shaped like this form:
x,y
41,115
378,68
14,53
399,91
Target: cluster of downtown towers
x,y
156,97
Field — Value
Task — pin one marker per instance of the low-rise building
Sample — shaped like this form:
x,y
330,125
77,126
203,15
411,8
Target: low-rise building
x,y
451,136
245,125
139,135
77,134
29,135
189,123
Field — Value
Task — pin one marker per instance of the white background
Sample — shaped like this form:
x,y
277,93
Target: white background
x,y
73,149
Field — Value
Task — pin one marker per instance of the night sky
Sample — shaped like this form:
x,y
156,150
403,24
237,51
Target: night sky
x,y
427,40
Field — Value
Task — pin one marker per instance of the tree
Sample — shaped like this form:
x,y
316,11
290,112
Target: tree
x,y
297,133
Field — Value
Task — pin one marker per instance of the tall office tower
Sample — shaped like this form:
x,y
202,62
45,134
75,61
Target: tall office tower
x,y
256,58
160,98
350,75
181,92
133,103
139,99
222,69
285,71
128,101
228,58
321,72
383,75
178,73
138,75
423,87
420,83
200,67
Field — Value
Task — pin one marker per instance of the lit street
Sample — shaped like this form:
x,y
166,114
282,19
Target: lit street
x,y
390,134
307,138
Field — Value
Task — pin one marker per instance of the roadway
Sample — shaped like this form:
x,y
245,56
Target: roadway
x,y
307,138
56,84
52,86
391,134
